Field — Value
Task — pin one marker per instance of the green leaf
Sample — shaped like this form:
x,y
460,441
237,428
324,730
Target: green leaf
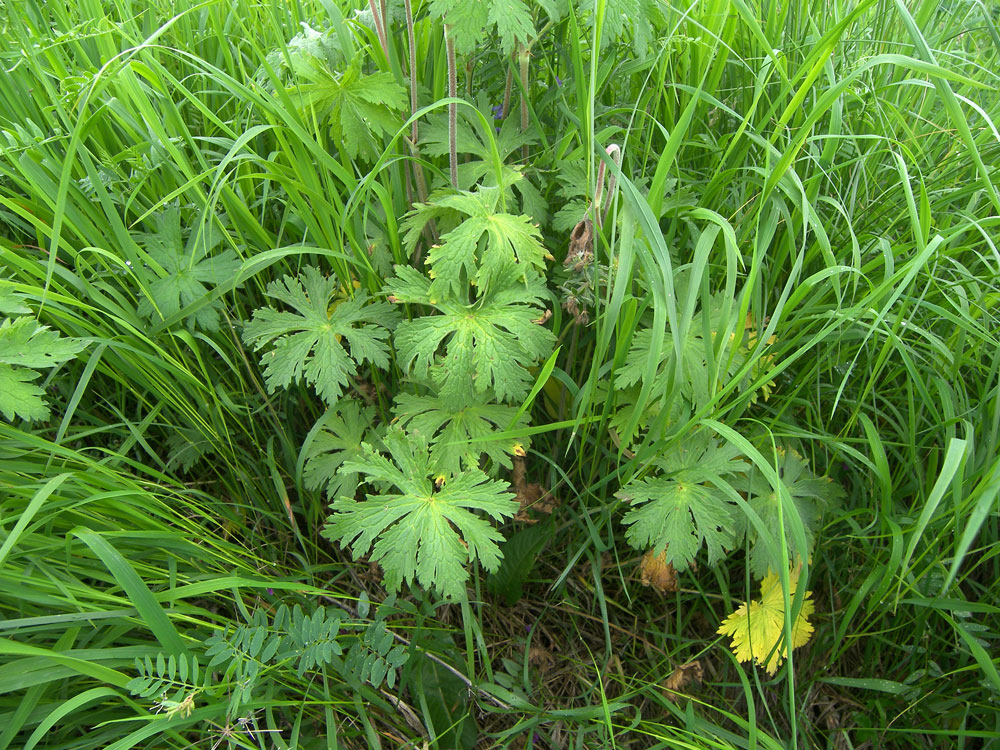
x,y
487,246
513,22
307,342
444,694
11,303
26,343
360,109
489,343
461,431
425,532
684,507
519,554
18,397
466,21
434,141
343,428
810,496
186,272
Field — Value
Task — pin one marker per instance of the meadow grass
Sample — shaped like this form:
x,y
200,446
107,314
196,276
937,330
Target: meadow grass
x,y
826,171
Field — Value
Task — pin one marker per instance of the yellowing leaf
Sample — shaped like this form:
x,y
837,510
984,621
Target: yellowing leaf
x,y
758,627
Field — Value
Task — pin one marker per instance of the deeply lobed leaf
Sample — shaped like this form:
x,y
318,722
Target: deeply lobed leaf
x,y
308,342
425,532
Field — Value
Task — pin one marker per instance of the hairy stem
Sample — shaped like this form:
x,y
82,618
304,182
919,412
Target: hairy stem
x,y
452,110
506,93
525,56
410,39
377,19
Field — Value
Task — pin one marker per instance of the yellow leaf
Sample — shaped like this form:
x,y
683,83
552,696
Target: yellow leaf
x,y
758,627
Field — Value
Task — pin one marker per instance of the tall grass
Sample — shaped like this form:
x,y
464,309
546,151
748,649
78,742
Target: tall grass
x,y
823,170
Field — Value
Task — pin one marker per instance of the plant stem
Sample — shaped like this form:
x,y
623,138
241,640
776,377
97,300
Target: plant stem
x,y
452,110
379,28
524,57
410,39
506,94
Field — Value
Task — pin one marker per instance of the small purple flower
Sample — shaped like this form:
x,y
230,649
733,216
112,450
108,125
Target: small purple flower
x,y
270,591
558,81
497,111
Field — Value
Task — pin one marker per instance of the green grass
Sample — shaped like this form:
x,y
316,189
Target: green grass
x,y
823,170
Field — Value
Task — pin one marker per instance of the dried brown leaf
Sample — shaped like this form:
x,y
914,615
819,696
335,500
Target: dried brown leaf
x,y
655,571
684,676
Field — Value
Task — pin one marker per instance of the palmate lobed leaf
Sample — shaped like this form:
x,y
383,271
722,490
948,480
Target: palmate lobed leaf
x,y
360,109
24,342
486,248
19,397
425,532
187,271
488,343
468,20
461,431
810,496
686,506
308,342
758,627
342,431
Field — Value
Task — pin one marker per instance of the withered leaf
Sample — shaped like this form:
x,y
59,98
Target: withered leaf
x,y
686,675
655,571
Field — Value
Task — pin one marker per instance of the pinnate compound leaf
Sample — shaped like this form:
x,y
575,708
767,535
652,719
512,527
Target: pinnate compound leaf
x,y
685,506
757,628
308,343
428,530
488,343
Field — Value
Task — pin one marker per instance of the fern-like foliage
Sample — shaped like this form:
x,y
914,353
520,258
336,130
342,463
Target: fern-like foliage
x,y
241,657
308,342
166,675
428,529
